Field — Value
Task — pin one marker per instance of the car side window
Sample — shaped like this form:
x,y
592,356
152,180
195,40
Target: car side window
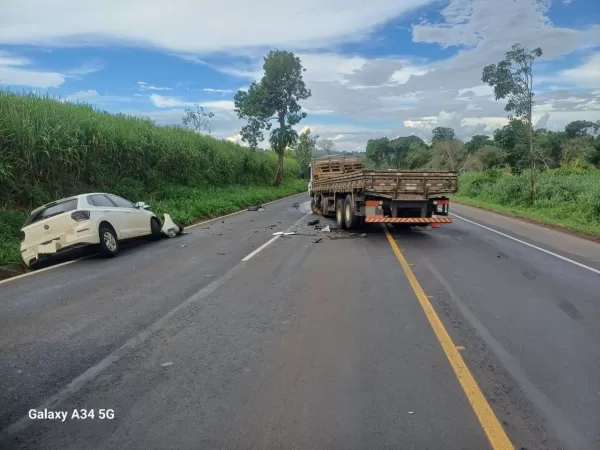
x,y
100,200
121,202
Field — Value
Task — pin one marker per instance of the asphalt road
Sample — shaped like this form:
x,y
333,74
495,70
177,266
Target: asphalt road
x,y
211,340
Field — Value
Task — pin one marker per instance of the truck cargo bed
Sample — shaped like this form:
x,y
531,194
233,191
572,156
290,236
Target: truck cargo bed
x,y
406,185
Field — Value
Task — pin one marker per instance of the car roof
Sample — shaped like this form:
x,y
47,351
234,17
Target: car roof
x,y
73,197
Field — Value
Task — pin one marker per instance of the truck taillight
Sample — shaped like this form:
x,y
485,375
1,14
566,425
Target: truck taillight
x,y
22,236
78,216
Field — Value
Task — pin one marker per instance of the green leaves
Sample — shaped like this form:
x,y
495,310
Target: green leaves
x,y
274,98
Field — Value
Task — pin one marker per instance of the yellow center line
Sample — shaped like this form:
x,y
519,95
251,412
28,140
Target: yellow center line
x,y
488,420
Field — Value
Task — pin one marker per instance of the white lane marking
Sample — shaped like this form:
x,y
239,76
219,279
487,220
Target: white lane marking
x,y
44,269
270,241
548,252
241,211
80,259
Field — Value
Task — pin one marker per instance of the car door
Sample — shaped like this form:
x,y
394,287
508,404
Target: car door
x,y
138,219
115,215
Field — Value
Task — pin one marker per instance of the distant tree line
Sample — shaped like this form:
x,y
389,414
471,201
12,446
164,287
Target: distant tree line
x,y
578,145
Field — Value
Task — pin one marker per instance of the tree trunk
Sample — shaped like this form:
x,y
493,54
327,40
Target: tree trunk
x,y
532,155
280,151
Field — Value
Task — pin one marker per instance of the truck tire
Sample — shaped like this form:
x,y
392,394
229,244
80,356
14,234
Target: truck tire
x,y
339,214
313,206
324,206
351,220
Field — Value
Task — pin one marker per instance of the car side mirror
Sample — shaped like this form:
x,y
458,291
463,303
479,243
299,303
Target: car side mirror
x,y
142,205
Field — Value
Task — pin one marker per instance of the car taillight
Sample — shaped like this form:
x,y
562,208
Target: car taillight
x,y
78,216
22,236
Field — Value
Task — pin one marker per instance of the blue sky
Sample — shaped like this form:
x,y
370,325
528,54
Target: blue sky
x,y
377,68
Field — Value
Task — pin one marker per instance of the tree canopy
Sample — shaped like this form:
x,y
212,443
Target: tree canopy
x,y
275,98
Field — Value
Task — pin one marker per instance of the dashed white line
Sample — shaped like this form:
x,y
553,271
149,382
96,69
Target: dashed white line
x,y
548,252
270,241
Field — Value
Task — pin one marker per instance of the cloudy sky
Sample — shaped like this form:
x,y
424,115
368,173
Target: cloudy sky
x,y
376,68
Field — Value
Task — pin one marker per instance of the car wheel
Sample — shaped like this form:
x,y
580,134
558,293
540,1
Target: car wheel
x,y
109,245
154,229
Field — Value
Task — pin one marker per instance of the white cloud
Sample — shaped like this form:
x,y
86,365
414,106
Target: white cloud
x,y
82,96
183,25
219,91
161,101
143,86
587,75
14,73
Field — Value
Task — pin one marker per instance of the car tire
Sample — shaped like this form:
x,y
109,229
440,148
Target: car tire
x,y
155,232
109,244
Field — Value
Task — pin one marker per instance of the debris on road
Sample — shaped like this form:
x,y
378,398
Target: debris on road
x,y
170,228
296,205
364,235
221,254
316,241
183,245
313,222
167,364
327,229
289,233
256,208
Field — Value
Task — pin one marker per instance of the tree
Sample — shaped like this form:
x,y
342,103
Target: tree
x,y
442,134
580,128
274,98
418,156
478,141
198,120
449,155
304,150
513,78
327,146
512,138
376,151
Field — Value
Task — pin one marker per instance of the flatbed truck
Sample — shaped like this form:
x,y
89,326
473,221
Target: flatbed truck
x,y
341,185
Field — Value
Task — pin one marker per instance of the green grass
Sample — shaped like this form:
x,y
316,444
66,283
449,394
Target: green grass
x,y
569,199
51,149
184,204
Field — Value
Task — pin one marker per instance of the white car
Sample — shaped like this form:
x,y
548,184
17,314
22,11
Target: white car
x,y
88,219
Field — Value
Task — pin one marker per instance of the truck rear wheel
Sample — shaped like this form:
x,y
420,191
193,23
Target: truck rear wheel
x,y
339,214
350,218
313,206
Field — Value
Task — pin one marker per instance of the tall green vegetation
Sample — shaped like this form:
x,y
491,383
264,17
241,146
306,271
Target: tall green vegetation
x,y
274,99
566,197
52,149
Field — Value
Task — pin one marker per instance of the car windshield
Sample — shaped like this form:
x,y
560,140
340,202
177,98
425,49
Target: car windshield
x,y
52,209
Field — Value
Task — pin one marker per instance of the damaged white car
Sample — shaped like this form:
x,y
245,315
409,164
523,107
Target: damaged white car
x,y
89,219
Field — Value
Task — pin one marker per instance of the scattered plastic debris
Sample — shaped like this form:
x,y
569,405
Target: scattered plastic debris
x,y
221,254
170,228
316,241
313,222
327,229
411,412
364,235
183,245
167,364
256,208
296,205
